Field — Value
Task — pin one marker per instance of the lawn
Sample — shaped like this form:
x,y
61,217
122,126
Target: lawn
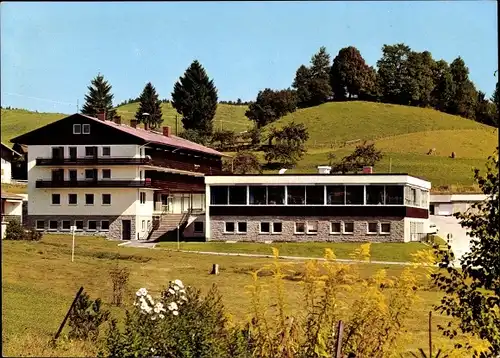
x,y
39,282
392,252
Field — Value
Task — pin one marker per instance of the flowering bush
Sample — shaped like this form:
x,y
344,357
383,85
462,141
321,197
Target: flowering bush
x,y
172,298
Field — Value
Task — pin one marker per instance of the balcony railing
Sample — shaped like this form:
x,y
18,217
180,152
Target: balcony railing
x,y
94,183
93,161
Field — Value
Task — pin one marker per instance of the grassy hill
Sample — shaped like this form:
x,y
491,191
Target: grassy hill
x,y
405,135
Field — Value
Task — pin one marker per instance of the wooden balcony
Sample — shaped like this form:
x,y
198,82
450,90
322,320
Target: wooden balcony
x,y
92,161
94,183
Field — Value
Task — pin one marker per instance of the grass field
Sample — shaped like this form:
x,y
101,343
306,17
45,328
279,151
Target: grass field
x,y
397,252
39,282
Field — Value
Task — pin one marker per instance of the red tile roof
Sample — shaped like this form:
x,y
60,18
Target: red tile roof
x,y
159,138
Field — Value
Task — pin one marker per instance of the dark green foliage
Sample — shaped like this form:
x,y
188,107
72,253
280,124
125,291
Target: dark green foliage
x,y
254,135
271,105
364,155
444,89
15,231
224,139
286,146
472,291
393,72
246,162
86,317
313,83
195,98
464,98
350,76
420,81
149,103
33,235
486,111
195,136
99,98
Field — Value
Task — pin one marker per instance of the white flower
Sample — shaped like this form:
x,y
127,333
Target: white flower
x,y
161,316
184,298
179,283
153,318
142,292
176,288
175,313
171,291
150,299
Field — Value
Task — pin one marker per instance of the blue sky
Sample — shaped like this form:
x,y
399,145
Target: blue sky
x,y
51,51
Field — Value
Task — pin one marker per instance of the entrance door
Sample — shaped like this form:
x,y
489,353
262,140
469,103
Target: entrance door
x,y
186,202
58,154
126,229
72,154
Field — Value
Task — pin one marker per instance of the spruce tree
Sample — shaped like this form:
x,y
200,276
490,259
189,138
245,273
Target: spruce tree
x,y
151,104
195,98
99,98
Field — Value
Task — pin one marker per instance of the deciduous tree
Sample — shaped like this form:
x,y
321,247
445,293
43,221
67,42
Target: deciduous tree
x,y
287,145
393,73
271,105
365,154
463,102
150,104
245,162
99,98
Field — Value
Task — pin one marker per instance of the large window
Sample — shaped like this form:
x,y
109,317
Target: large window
x,y
372,228
56,199
335,195
276,195
89,199
237,195
66,224
354,194
72,199
374,194
106,199
296,195
315,195
410,196
394,194
257,195
218,195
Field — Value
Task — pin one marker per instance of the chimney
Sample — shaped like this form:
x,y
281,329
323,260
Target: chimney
x,y
117,119
146,126
133,123
101,116
367,170
167,131
324,169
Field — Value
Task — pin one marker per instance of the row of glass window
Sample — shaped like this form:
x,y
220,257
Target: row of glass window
x,y
307,227
89,199
66,224
309,195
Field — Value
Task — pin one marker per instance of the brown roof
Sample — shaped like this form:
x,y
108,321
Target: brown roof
x,y
5,195
159,138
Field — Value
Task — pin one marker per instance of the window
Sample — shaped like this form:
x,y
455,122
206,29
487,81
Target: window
x,y
106,199
56,199
354,194
40,225
410,196
296,195
72,199
315,195
77,129
86,129
276,195
394,194
374,194
79,224
229,227
372,228
277,228
257,195
66,224
52,225
72,175
242,227
142,197
385,228
90,151
106,151
424,197
335,228
106,173
89,199
237,195
218,195
143,225
198,226
335,195
92,225
349,228
265,228
312,227
105,225
300,228
90,174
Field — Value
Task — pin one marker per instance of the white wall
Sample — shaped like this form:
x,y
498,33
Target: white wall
x,y
14,208
6,171
407,227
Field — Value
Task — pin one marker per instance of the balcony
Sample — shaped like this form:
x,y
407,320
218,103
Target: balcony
x,y
94,183
92,161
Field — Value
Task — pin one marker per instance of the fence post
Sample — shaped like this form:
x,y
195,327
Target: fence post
x,y
338,343
430,335
67,314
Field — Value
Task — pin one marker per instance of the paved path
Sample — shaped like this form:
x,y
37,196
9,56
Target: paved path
x,y
139,244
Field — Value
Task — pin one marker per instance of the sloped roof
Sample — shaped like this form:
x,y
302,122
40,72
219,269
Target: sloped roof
x,y
10,149
159,138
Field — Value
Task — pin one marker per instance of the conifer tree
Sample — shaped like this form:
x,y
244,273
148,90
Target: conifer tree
x,y
149,103
195,98
99,98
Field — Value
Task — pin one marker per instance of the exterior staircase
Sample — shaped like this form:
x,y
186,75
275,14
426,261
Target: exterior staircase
x,y
167,227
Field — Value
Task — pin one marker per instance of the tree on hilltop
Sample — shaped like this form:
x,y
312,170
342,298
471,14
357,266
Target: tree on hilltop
x,y
151,104
464,100
271,105
195,98
99,98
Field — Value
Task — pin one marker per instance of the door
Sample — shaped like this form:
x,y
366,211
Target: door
x,y
72,154
186,202
58,154
72,175
431,209
126,229
58,175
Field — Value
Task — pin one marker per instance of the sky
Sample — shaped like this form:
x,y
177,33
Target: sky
x,y
51,51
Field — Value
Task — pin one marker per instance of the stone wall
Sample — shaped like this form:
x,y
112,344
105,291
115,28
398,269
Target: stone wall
x,y
217,224
115,224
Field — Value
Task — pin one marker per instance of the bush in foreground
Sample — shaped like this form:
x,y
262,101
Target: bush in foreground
x,y
15,231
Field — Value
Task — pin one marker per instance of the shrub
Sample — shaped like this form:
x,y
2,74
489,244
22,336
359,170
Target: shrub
x,y
119,279
33,235
15,231
86,317
245,162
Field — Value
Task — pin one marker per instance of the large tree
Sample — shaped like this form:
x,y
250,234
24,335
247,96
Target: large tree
x,y
149,103
464,98
393,73
195,98
271,105
350,75
486,111
472,290
419,82
99,98
287,145
444,88
302,84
